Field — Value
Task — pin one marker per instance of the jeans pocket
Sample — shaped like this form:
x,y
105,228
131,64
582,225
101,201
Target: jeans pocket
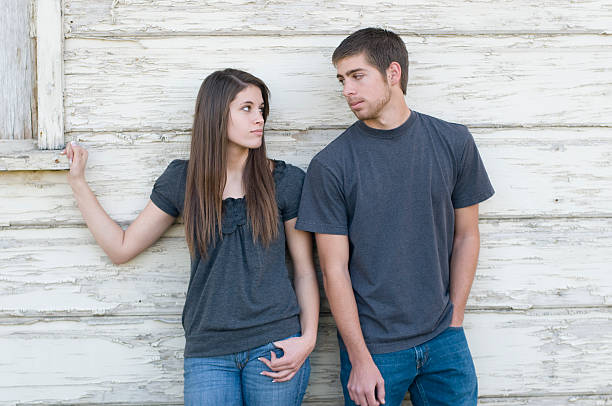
x,y
277,351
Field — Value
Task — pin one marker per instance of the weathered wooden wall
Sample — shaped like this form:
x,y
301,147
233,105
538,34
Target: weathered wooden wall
x,y
532,80
17,72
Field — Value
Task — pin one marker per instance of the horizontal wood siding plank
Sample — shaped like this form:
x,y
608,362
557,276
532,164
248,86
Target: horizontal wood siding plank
x,y
145,17
523,264
135,359
552,400
24,155
583,400
62,271
145,84
536,173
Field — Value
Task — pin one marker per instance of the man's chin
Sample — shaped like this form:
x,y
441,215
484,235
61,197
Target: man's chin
x,y
358,113
362,115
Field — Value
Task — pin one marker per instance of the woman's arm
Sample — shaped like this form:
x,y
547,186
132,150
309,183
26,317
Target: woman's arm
x,y
119,245
305,279
297,349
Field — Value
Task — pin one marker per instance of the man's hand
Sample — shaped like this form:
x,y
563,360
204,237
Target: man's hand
x,y
366,386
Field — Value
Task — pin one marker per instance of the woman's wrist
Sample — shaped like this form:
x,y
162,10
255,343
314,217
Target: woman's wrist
x,y
78,184
79,187
310,338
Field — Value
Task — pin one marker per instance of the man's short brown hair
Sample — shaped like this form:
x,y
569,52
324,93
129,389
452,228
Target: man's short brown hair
x,y
380,46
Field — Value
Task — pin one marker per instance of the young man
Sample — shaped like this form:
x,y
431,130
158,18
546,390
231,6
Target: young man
x,y
394,205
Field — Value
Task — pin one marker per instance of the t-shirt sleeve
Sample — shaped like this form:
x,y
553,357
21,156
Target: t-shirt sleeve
x,y
472,185
322,208
167,187
291,192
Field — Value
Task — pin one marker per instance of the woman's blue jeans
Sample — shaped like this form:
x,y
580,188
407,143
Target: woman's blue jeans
x,y
236,380
439,372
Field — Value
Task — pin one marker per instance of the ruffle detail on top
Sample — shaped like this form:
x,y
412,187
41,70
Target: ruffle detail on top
x,y
234,214
234,209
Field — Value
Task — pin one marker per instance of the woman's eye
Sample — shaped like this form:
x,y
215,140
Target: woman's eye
x,y
261,110
246,108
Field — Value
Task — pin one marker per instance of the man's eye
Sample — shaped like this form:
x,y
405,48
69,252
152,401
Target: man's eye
x,y
357,77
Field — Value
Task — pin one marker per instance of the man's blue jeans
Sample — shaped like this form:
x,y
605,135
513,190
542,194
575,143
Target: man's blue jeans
x,y
438,372
236,380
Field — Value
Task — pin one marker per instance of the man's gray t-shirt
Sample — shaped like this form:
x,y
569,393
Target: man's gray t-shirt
x,y
240,296
394,192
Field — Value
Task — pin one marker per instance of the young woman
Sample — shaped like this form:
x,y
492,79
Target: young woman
x,y
248,331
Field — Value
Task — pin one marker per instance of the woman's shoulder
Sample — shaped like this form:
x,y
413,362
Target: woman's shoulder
x,y
289,180
177,169
178,164
286,174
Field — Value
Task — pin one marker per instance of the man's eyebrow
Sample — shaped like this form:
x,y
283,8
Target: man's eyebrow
x,y
349,72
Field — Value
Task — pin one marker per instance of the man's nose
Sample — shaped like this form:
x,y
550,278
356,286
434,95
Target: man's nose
x,y
347,90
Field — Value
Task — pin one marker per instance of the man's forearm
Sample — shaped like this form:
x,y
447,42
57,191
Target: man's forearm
x,y
339,292
462,270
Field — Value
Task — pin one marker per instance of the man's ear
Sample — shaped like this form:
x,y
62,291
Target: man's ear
x,y
394,73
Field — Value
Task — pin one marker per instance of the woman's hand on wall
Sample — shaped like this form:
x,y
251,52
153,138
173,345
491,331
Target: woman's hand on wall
x,y
77,156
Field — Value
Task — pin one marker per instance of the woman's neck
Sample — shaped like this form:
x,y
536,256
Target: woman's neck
x,y
236,162
236,158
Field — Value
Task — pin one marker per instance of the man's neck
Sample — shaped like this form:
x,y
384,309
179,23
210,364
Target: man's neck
x,y
394,114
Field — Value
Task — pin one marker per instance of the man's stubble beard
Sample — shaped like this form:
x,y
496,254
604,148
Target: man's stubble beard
x,y
378,106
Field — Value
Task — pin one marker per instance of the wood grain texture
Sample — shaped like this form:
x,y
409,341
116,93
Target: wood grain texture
x,y
523,264
581,400
50,73
115,359
553,400
144,84
555,172
164,17
24,155
17,72
531,79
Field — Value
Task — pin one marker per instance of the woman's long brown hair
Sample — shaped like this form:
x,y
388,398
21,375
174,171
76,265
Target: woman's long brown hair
x,y
206,171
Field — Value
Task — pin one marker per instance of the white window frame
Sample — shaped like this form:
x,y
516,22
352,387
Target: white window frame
x,y
43,153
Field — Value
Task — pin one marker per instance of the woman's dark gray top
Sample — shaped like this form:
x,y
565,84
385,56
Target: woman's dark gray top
x,y
241,296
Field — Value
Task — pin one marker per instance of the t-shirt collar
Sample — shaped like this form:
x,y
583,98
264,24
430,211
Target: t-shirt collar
x,y
395,132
